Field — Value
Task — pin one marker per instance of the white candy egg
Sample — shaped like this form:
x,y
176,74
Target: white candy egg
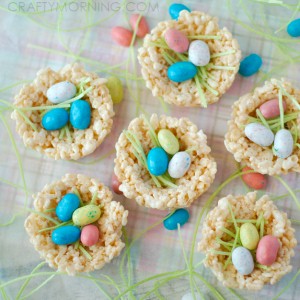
x,y
259,134
179,164
199,53
61,92
283,143
242,260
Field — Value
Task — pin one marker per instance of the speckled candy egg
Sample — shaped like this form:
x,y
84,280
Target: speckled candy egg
x,y
293,29
86,215
250,65
114,84
168,141
179,164
182,71
80,114
157,161
199,53
142,28
189,296
254,180
180,216
55,119
61,92
65,235
259,134
249,236
66,206
267,250
283,143
242,260
270,109
176,40
89,235
175,9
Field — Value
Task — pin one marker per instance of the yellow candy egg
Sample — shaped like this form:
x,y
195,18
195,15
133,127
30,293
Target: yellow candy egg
x,y
249,236
86,215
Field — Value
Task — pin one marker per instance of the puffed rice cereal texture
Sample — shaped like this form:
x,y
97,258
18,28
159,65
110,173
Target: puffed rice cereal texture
x,y
261,159
68,258
154,66
135,179
82,142
247,207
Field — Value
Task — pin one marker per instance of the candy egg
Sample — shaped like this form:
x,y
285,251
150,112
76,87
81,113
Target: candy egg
x,y
180,216
259,134
143,27
175,9
250,65
242,260
176,40
189,296
65,235
55,119
249,236
179,164
66,206
80,114
86,215
115,184
122,36
199,53
89,235
283,143
254,180
61,92
182,71
267,250
157,161
293,29
270,109
168,141
114,84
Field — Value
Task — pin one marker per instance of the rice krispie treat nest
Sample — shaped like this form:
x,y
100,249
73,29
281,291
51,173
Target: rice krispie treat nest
x,y
67,258
154,66
261,159
135,179
83,142
276,224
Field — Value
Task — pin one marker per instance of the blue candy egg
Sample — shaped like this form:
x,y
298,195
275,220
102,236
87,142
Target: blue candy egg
x,y
157,161
80,114
180,216
293,29
250,65
65,235
175,9
182,71
66,206
55,119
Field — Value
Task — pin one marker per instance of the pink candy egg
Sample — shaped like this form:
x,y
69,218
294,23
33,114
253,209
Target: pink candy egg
x,y
115,184
270,109
254,180
176,40
89,235
122,36
267,250
143,27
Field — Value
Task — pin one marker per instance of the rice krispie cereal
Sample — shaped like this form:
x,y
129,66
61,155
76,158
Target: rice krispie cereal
x,y
276,224
68,258
135,179
260,159
154,66
83,142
